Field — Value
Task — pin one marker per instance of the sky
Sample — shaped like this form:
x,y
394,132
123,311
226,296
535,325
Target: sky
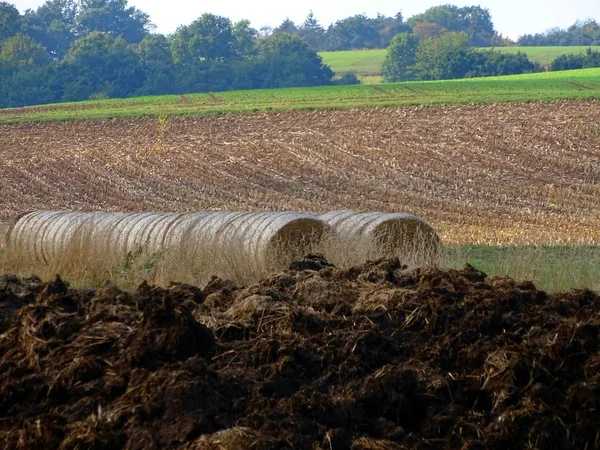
x,y
512,18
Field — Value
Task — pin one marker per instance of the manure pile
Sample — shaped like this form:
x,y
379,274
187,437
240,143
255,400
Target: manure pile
x,y
315,357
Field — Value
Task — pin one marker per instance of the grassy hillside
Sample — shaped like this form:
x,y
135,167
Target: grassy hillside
x,y
545,55
360,62
574,84
366,64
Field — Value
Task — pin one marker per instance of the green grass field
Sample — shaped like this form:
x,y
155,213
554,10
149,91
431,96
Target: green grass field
x,y
545,55
547,86
551,268
366,64
359,62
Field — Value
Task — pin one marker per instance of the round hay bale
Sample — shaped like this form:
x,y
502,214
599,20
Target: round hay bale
x,y
45,236
392,234
11,224
274,237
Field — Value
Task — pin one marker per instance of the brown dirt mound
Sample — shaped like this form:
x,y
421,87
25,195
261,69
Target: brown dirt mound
x,y
316,357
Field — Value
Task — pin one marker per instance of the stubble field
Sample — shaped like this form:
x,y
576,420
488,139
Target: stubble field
x,y
378,355
488,174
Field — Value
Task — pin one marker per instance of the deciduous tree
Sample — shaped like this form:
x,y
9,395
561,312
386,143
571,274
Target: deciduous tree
x,y
157,62
114,17
99,65
473,20
244,38
210,37
21,52
401,57
284,60
52,25
444,57
10,21
356,32
426,30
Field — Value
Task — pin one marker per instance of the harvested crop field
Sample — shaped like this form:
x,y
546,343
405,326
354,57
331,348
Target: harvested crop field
x,y
316,357
489,174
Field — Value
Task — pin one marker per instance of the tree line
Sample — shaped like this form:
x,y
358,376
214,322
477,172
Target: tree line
x,y
362,32
586,60
92,49
450,55
70,50
582,32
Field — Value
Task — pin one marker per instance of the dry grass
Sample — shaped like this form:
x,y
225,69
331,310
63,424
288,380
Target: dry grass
x,y
347,251
555,268
3,230
495,174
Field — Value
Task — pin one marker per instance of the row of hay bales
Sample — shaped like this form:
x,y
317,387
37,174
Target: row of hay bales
x,y
45,236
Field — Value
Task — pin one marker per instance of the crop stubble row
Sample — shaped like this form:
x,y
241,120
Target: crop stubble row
x,y
508,173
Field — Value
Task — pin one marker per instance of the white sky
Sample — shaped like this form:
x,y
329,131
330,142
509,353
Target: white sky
x,y
512,18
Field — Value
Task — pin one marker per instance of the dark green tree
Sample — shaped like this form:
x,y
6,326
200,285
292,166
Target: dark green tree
x,y
99,65
443,58
26,73
401,57
284,60
587,60
287,26
10,21
494,63
114,17
356,32
33,86
568,62
592,59
388,27
21,52
477,23
208,38
312,32
585,32
473,20
446,16
52,25
244,38
157,63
